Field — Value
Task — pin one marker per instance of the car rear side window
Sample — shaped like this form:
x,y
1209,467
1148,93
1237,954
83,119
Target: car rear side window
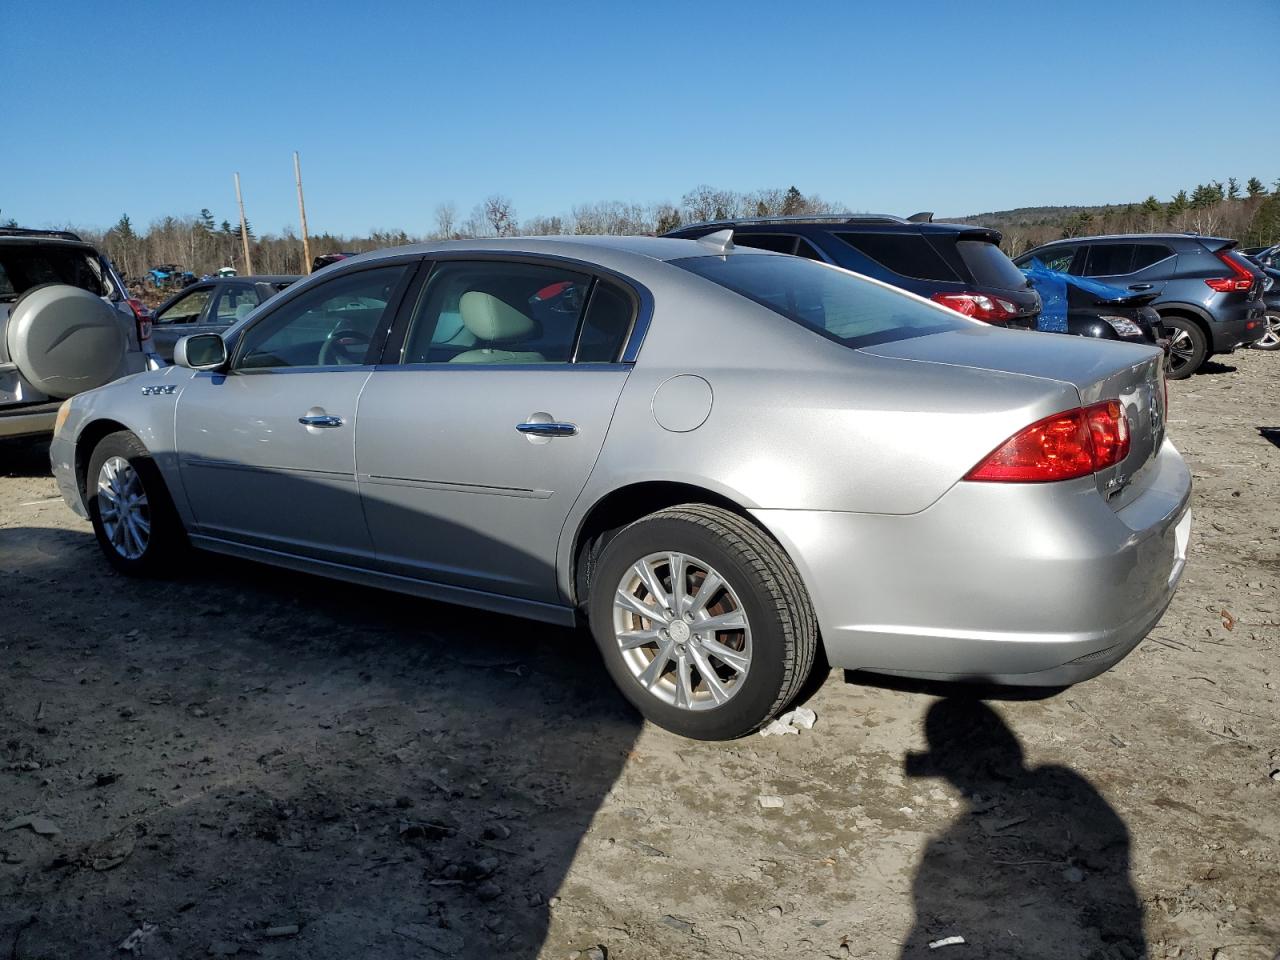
x,y
989,266
906,254
831,302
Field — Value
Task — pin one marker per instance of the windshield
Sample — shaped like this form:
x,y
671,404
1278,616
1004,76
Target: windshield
x,y
23,266
989,266
832,302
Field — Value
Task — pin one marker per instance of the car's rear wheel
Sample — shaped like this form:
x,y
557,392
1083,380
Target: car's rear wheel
x,y
134,520
1271,339
702,621
1188,347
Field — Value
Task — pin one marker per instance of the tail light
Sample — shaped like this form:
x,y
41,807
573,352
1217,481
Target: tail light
x,y
141,316
980,306
1074,443
1241,278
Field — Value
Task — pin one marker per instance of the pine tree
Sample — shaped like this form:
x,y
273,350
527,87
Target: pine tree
x,y
793,202
1254,187
1233,189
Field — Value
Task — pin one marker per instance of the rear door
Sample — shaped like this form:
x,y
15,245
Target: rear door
x,y
1130,266
478,435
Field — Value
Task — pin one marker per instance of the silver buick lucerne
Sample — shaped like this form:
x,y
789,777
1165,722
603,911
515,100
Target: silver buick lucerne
x,y
720,458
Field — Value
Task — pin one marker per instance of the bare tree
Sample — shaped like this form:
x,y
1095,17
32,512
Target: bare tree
x,y
446,214
500,214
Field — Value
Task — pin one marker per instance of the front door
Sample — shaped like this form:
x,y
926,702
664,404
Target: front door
x,y
268,448
473,446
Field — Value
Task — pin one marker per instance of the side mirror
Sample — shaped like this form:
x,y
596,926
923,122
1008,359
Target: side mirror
x,y
200,351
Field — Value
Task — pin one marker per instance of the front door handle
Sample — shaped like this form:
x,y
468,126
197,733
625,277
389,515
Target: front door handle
x,y
551,428
315,420
1140,286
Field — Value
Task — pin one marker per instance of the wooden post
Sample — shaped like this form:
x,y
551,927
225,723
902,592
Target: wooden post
x,y
244,231
302,214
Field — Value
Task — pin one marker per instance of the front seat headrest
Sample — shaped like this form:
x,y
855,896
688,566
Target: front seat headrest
x,y
493,320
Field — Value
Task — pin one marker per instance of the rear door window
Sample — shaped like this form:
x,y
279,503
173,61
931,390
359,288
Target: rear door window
x,y
1109,260
1148,254
906,254
989,266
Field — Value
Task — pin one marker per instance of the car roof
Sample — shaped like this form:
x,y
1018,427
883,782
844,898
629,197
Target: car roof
x,y
579,247
1139,236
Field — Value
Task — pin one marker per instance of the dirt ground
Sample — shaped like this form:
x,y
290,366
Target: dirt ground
x,y
246,761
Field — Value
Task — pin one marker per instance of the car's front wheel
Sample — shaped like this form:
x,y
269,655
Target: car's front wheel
x,y
702,621
1271,339
134,520
1188,347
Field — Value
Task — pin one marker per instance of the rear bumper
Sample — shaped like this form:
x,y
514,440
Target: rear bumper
x,y
1229,335
1036,584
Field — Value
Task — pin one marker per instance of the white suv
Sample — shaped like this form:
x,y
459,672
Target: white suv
x,y
66,325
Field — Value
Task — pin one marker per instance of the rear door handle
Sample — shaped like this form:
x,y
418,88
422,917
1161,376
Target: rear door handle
x,y
551,428
320,421
1141,286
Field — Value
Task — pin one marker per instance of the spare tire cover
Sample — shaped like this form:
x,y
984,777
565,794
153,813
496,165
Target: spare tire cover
x,y
65,340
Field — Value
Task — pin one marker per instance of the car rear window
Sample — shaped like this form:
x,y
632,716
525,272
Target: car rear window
x,y
989,266
24,266
906,254
829,301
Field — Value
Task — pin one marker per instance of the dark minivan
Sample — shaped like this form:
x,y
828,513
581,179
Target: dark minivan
x,y
1208,295
958,266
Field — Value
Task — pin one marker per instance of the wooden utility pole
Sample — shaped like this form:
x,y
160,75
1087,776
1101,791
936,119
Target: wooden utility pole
x,y
244,230
302,214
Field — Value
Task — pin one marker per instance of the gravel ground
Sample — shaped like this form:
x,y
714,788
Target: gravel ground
x,y
242,760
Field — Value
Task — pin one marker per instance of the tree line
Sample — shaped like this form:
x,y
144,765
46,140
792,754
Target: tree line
x,y
203,243
1248,213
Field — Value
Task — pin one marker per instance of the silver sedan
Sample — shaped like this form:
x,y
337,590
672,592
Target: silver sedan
x,y
724,460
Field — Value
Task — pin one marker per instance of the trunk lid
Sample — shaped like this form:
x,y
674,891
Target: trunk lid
x,y
1099,370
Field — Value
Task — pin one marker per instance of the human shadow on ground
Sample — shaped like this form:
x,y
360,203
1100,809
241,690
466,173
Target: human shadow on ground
x,y
1270,434
1035,865
265,749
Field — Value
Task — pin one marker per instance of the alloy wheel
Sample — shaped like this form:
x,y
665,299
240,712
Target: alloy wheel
x,y
682,631
1271,339
123,507
1182,351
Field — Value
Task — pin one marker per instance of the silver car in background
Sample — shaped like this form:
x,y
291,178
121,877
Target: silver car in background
x,y
723,459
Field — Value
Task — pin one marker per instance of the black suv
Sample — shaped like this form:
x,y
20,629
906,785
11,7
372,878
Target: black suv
x,y
958,266
1209,297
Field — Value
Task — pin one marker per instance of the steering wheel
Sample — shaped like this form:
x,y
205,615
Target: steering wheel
x,y
344,346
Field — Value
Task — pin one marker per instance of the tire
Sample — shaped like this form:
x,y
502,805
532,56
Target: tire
x,y
129,548
1271,339
1188,347
774,651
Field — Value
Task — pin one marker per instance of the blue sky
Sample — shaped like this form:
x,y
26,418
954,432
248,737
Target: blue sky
x,y
958,107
